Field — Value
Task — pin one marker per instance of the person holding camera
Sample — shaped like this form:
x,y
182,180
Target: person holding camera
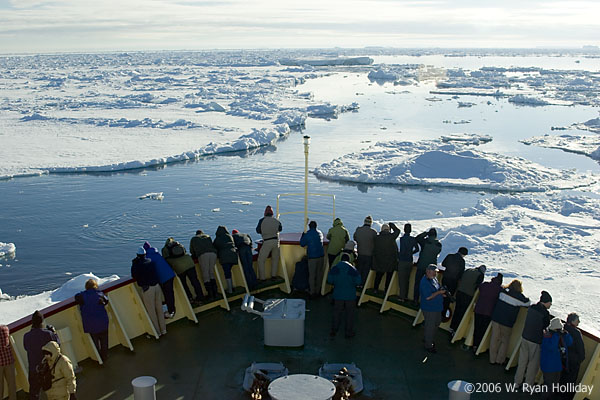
x,y
553,356
432,304
33,341
431,247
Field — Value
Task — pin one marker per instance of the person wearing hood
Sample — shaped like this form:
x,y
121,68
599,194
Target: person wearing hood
x,y
202,249
7,364
554,355
538,318
92,305
143,271
33,341
166,277
344,278
430,248
464,293
385,254
506,310
575,355
313,241
408,247
350,249
488,296
364,236
268,227
338,236
243,243
63,382
184,267
226,252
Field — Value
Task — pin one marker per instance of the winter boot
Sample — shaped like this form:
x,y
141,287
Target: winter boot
x,y
208,291
213,289
229,286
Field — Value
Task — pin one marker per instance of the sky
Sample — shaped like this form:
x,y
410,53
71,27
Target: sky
x,y
33,26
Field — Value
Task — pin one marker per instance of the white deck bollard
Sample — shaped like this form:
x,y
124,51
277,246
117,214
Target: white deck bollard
x,y
460,390
143,388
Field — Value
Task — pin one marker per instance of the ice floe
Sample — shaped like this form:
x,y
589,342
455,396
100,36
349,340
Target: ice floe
x,y
549,242
153,196
467,138
592,125
12,309
580,144
7,249
434,163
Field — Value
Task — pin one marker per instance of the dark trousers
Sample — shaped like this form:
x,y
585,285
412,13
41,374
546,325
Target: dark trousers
x,y
462,303
193,277
430,327
245,254
331,258
167,289
34,385
450,283
379,276
341,307
364,264
227,269
101,342
416,290
569,376
481,324
404,270
550,378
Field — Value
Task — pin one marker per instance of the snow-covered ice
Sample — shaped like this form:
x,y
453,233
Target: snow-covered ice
x,y
434,163
467,138
580,144
7,249
549,242
153,196
12,309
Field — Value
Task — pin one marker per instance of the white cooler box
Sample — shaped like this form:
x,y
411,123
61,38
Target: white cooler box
x,y
284,322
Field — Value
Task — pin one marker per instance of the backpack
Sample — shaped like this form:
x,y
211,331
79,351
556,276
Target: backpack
x,y
176,249
45,373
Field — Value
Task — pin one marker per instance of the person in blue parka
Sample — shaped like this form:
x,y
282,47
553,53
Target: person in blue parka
x,y
552,353
313,241
92,303
344,278
166,276
432,303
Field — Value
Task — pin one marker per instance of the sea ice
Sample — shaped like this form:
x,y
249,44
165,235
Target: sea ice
x,y
7,249
153,196
15,308
434,163
580,144
467,138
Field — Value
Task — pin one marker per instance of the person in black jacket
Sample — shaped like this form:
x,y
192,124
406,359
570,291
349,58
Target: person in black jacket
x,y
575,355
243,243
538,318
33,341
454,265
506,310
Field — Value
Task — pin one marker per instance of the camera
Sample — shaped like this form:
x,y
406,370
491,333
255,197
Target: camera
x,y
448,295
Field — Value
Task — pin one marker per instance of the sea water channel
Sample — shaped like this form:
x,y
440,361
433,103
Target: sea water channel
x,y
67,224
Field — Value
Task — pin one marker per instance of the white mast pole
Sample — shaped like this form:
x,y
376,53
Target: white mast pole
x,y
306,145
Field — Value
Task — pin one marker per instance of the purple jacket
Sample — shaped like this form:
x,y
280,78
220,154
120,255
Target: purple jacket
x,y
488,296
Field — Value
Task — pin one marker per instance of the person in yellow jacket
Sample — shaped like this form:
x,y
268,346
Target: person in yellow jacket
x,y
63,382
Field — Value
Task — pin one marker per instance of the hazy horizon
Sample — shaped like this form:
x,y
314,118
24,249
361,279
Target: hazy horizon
x,y
57,26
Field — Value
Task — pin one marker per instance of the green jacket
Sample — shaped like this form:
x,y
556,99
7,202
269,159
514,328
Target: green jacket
x,y
179,264
225,246
338,236
201,244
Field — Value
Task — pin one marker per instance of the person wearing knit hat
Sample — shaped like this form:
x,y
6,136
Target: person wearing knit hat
x,y
554,347
268,227
337,235
33,341
364,236
538,318
312,239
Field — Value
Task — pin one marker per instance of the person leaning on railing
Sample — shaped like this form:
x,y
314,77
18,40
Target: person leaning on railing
x,y
7,364
92,303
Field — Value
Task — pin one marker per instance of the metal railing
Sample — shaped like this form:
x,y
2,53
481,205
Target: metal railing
x,y
306,212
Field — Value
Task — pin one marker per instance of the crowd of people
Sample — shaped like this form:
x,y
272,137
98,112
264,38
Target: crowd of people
x,y
545,343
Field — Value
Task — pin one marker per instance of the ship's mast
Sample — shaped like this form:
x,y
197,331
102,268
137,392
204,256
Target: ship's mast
x,y
306,145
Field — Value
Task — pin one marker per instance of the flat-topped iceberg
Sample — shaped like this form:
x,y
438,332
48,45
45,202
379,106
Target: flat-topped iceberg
x,y
434,163
588,145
